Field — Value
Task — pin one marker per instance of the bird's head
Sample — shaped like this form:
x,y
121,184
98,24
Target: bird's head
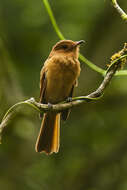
x,y
67,48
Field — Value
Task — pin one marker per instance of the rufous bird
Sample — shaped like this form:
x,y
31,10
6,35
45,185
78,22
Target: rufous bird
x,y
58,78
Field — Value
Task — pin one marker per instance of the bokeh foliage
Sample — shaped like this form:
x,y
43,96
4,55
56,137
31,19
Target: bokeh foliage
x,y
93,152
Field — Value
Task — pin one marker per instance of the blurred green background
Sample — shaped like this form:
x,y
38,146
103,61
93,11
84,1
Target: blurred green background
x,y
93,151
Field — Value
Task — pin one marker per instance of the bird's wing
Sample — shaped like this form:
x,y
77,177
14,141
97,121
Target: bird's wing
x,y
65,113
42,85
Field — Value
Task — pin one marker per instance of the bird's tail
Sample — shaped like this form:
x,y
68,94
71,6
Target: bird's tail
x,y
48,138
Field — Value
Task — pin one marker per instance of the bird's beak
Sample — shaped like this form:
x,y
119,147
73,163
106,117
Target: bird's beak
x,y
80,42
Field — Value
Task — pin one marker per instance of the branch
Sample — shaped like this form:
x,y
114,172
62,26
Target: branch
x,y
117,61
119,10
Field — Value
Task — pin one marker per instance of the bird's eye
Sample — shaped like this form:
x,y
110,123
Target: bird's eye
x,y
64,47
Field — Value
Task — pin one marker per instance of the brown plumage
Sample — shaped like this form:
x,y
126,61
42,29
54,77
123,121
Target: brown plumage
x,y
58,78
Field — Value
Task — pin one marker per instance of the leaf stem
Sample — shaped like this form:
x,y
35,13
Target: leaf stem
x,y
53,20
91,65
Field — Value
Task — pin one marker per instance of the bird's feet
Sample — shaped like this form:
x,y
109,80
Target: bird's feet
x,y
69,99
49,106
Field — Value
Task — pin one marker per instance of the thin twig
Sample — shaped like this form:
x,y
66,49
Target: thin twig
x,y
119,10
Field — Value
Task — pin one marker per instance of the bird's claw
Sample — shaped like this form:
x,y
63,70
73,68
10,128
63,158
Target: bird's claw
x,y
50,105
69,99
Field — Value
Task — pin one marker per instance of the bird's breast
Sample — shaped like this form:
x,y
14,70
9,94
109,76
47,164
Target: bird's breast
x,y
61,75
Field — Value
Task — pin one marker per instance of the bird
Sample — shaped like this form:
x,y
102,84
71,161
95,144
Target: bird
x,y
58,77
